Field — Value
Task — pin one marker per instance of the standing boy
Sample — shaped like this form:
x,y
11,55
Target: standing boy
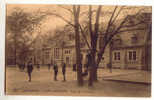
x,y
55,68
29,69
63,71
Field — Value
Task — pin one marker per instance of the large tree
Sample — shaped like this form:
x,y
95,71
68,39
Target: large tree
x,y
19,27
116,22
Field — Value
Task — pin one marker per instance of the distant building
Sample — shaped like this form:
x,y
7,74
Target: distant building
x,y
62,53
46,56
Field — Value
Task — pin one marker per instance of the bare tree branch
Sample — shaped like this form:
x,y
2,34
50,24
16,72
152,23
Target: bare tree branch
x,y
59,16
117,14
67,9
84,36
78,10
107,40
120,26
90,20
97,20
110,21
74,10
86,12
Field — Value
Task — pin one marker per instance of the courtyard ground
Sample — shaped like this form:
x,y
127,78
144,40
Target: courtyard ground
x,y
119,83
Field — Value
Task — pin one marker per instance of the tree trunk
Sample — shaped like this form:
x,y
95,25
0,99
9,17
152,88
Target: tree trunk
x,y
78,56
94,38
15,52
62,56
77,43
95,73
92,66
91,77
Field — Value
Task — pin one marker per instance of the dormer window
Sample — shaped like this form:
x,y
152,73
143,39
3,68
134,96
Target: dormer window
x,y
117,40
71,36
134,38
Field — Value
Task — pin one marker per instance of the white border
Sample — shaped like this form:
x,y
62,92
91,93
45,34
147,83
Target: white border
x,y
84,2
2,46
94,2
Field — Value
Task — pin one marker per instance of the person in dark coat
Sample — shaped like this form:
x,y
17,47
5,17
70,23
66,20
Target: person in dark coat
x,y
55,68
74,67
23,67
63,71
110,67
29,69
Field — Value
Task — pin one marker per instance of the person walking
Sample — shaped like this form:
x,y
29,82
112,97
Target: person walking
x,y
29,69
55,68
63,71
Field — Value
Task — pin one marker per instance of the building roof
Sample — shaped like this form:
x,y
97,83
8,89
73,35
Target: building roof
x,y
128,38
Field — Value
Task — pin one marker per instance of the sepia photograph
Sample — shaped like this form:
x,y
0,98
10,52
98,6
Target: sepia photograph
x,y
78,50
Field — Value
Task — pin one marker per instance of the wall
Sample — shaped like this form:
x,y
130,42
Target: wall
x,y
124,62
118,63
106,58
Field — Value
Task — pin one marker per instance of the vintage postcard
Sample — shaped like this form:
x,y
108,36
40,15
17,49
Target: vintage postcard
x,y
78,50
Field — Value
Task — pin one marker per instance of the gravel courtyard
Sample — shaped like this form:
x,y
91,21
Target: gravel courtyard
x,y
43,84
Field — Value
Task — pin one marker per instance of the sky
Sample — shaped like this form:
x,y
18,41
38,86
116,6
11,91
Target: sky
x,y
52,22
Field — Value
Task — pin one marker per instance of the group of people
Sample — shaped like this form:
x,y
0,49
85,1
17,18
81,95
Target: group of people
x,y
55,68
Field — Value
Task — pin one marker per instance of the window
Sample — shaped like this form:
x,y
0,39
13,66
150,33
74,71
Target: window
x,y
71,36
117,40
56,53
132,55
67,51
134,38
116,55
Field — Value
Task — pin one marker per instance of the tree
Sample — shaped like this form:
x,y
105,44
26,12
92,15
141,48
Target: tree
x,y
75,12
20,26
114,26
